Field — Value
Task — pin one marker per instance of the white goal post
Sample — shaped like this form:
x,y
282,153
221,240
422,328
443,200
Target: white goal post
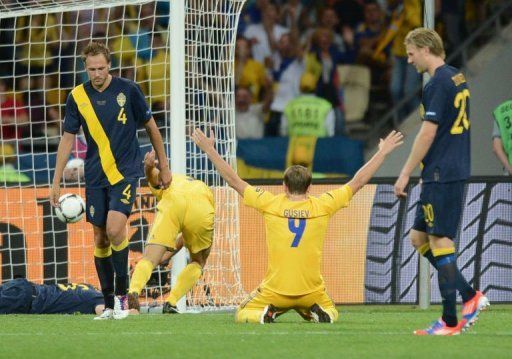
x,y
181,53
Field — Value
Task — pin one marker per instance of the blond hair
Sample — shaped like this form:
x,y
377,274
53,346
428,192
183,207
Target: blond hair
x,y
95,48
426,38
297,179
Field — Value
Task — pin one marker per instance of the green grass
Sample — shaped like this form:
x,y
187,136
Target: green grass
x,y
361,332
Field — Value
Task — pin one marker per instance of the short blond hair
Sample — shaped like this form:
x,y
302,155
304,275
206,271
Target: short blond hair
x,y
95,48
297,179
426,38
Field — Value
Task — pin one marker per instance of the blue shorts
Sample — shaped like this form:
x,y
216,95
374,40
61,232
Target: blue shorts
x,y
440,208
119,197
16,296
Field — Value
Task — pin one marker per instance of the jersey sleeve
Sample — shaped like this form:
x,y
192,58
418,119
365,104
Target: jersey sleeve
x,y
257,198
157,192
72,121
435,101
336,199
140,107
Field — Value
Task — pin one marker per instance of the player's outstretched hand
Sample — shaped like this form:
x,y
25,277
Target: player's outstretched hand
x,y
203,142
391,142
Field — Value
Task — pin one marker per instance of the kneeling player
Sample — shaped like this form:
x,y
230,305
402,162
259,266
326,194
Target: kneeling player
x,y
185,207
295,231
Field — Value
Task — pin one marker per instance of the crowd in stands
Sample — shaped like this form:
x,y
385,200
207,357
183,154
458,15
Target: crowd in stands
x,y
285,49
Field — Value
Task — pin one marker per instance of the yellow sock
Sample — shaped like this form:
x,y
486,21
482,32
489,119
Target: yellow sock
x,y
186,280
248,315
140,276
121,245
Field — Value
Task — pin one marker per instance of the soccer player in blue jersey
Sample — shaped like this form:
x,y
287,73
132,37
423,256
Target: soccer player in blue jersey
x,y
442,147
19,296
295,224
109,109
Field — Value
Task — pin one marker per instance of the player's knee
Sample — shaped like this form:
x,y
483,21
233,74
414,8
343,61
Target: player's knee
x,y
418,239
101,241
116,234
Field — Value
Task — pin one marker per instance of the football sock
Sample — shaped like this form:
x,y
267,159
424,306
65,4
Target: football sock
x,y
140,276
185,281
120,259
426,252
465,290
105,271
447,278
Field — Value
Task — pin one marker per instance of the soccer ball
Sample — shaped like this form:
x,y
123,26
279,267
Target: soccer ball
x,y
71,208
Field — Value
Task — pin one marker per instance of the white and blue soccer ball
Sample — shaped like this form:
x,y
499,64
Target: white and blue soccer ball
x,y
71,208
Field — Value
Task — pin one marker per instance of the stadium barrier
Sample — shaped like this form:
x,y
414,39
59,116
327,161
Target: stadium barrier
x,y
367,255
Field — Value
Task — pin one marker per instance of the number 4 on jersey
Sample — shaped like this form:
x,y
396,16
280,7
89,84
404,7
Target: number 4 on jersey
x,y
297,230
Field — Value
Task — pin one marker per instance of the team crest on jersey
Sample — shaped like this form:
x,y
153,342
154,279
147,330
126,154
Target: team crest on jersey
x,y
121,99
91,211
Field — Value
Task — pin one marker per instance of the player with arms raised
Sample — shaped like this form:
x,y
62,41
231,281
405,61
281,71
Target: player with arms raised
x,y
296,224
109,109
442,146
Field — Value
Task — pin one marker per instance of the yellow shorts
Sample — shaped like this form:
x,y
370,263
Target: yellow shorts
x,y
261,297
191,213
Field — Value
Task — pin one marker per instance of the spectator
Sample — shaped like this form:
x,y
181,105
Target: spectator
x,y
249,72
328,20
264,36
405,80
308,114
154,76
38,41
8,171
368,32
13,115
248,116
288,68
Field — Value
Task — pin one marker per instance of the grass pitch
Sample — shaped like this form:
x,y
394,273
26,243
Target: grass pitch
x,y
361,332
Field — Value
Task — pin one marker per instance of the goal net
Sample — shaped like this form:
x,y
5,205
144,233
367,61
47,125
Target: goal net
x,y
40,44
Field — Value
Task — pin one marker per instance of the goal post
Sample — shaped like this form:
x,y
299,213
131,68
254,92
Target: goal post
x,y
181,53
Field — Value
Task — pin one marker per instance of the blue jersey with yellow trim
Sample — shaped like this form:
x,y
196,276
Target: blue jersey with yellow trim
x,y
19,296
446,103
66,299
110,120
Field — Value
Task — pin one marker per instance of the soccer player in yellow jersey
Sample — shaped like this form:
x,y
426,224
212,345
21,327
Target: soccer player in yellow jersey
x,y
295,230
185,207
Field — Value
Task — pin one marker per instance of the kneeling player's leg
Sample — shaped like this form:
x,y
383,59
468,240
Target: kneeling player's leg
x,y
254,307
317,306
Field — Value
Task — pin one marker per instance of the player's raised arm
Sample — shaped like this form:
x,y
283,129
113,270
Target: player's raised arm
x,y
365,173
207,145
65,147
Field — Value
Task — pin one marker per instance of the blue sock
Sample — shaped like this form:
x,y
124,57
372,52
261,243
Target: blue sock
x,y
447,277
465,290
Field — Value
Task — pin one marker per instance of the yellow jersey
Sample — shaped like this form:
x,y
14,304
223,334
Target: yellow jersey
x,y
180,185
295,233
